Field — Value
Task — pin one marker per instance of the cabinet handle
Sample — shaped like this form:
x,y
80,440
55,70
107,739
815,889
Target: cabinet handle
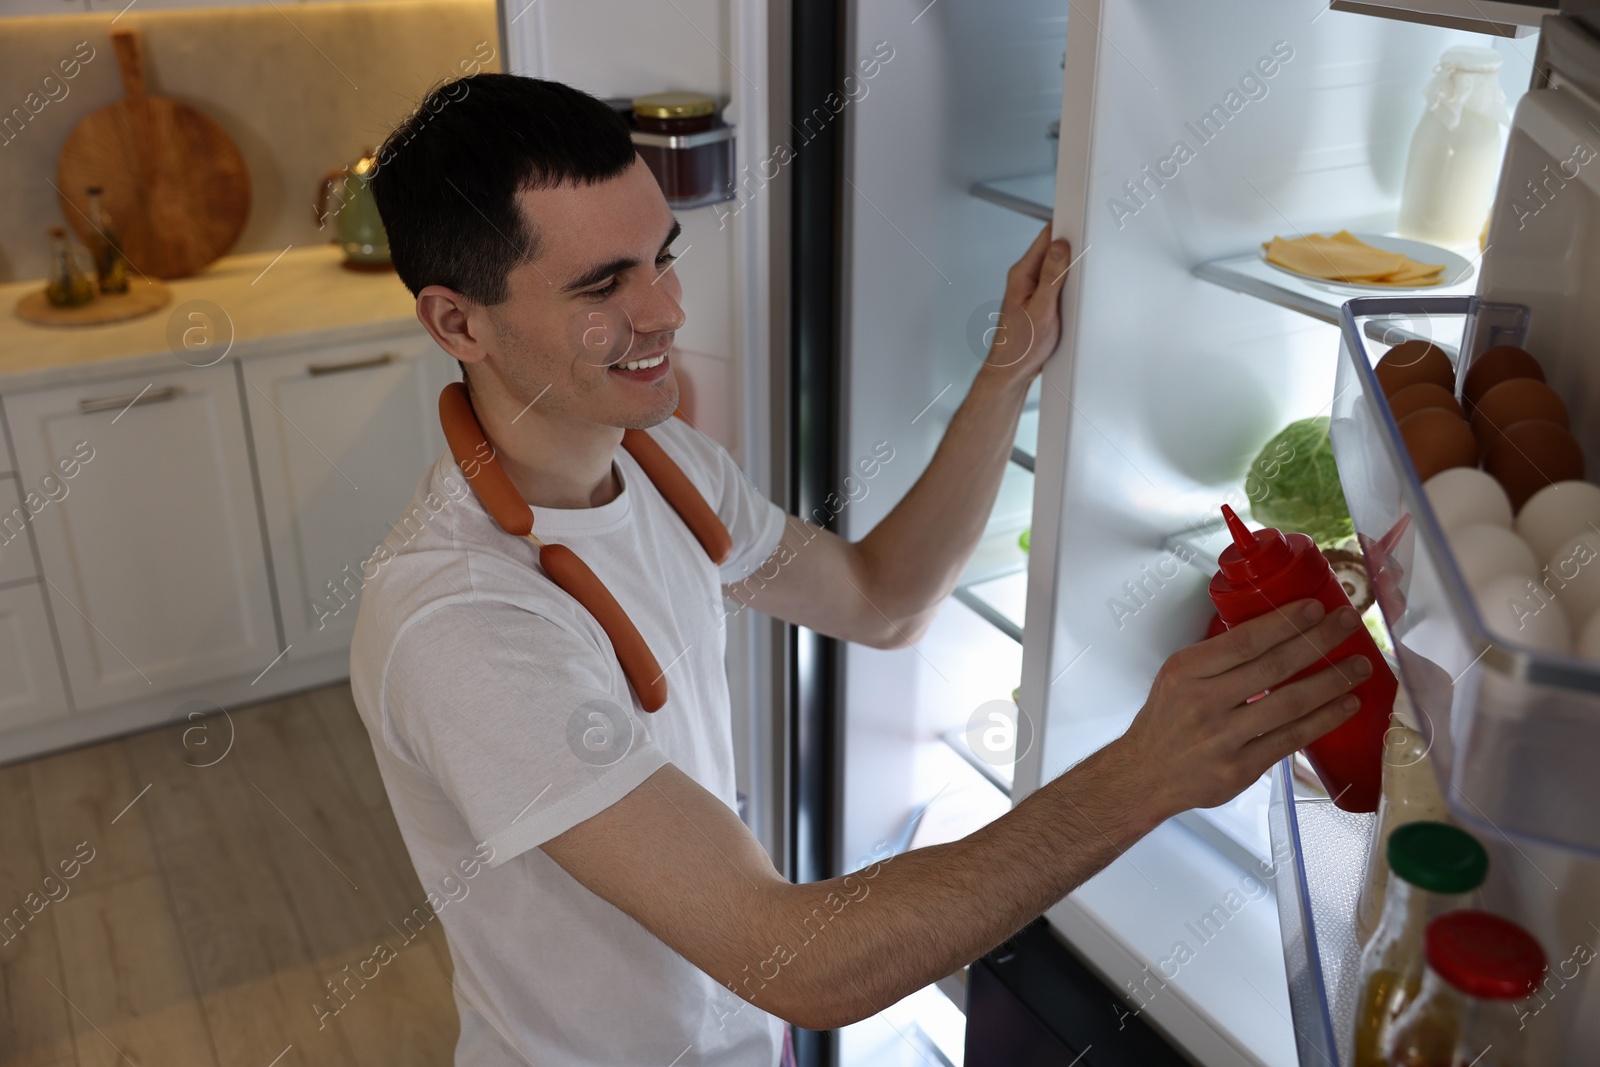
x,y
114,403
316,369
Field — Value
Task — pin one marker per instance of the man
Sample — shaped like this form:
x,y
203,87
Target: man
x,y
619,911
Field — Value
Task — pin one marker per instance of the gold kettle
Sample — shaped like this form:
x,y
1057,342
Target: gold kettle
x,y
345,203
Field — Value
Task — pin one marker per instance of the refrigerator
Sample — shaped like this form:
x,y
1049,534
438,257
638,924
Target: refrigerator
x,y
842,300
1229,931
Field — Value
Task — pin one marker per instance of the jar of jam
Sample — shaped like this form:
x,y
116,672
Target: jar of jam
x,y
687,147
674,112
1480,968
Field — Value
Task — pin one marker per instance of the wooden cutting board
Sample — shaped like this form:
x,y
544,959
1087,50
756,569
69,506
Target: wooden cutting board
x,y
142,298
174,183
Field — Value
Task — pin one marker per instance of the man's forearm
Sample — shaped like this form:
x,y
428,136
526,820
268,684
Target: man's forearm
x,y
849,947
915,556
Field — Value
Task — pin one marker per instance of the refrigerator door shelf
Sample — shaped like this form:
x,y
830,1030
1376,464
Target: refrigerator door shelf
x,y
1511,728
1321,855
1324,852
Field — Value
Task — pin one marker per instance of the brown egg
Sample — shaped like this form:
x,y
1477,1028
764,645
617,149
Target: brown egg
x,y
1532,454
1411,362
1509,403
1437,440
1493,366
1422,395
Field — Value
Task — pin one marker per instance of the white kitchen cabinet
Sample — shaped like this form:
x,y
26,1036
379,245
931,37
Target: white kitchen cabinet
x,y
342,437
8,462
30,677
153,561
16,557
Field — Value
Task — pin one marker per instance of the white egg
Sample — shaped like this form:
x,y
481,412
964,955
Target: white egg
x,y
1519,610
1462,496
1556,513
1485,552
1588,643
1573,574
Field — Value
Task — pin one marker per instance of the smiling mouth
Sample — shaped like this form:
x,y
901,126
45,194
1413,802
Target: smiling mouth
x,y
648,362
641,364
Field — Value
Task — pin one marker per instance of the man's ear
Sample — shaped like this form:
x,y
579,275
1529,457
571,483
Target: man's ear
x,y
460,326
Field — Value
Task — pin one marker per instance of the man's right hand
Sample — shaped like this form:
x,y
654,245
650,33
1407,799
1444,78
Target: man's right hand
x,y
1196,740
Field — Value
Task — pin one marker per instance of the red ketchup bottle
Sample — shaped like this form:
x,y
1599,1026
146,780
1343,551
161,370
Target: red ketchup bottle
x,y
1265,570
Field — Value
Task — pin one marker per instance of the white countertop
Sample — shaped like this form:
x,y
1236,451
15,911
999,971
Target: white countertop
x,y
271,300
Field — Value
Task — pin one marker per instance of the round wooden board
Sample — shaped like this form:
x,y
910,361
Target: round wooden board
x,y
198,195
173,181
142,298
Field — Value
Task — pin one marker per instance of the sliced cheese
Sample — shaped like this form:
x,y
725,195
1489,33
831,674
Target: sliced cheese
x,y
1416,274
1343,257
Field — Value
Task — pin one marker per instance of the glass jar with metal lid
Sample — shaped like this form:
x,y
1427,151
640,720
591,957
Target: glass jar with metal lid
x,y
686,145
674,112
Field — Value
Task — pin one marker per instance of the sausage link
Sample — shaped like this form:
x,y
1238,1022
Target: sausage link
x,y
681,493
477,460
639,666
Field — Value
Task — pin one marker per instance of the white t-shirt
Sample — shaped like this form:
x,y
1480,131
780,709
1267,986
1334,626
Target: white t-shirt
x,y
500,718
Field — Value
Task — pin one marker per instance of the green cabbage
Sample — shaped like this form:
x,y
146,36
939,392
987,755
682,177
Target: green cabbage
x,y
1294,485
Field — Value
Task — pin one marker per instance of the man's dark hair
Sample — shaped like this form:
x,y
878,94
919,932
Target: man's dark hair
x,y
448,176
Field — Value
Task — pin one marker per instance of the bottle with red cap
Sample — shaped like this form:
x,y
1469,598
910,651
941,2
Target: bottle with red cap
x,y
1480,968
1263,571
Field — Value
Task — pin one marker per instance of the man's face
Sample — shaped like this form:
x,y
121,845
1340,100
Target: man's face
x,y
600,298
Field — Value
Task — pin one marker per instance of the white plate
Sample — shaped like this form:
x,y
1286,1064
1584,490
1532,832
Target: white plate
x,y
1457,269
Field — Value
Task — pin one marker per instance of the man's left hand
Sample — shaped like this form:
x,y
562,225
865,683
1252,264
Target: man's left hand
x,y
1029,323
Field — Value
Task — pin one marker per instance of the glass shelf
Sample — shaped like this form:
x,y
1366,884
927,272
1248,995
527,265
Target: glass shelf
x,y
1026,445
1253,276
995,584
999,777
965,807
1497,18
1033,195
1322,856
1001,602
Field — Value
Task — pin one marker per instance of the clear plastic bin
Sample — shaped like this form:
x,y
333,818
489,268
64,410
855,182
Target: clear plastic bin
x,y
1515,732
1321,855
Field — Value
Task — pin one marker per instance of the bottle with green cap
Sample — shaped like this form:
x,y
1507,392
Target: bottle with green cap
x,y
1481,970
1433,868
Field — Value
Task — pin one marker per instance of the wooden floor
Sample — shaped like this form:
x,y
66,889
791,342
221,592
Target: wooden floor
x,y
228,885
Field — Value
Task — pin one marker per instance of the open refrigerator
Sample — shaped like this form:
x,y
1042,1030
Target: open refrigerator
x,y
1229,931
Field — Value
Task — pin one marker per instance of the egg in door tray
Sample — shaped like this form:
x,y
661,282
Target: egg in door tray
x,y
1506,479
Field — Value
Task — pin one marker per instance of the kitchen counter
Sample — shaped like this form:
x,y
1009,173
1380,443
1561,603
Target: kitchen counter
x,y
271,304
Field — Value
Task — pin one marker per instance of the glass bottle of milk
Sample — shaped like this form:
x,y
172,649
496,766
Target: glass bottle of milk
x,y
1456,151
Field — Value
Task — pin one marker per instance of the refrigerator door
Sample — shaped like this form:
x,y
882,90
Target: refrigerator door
x,y
1509,727
1189,135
